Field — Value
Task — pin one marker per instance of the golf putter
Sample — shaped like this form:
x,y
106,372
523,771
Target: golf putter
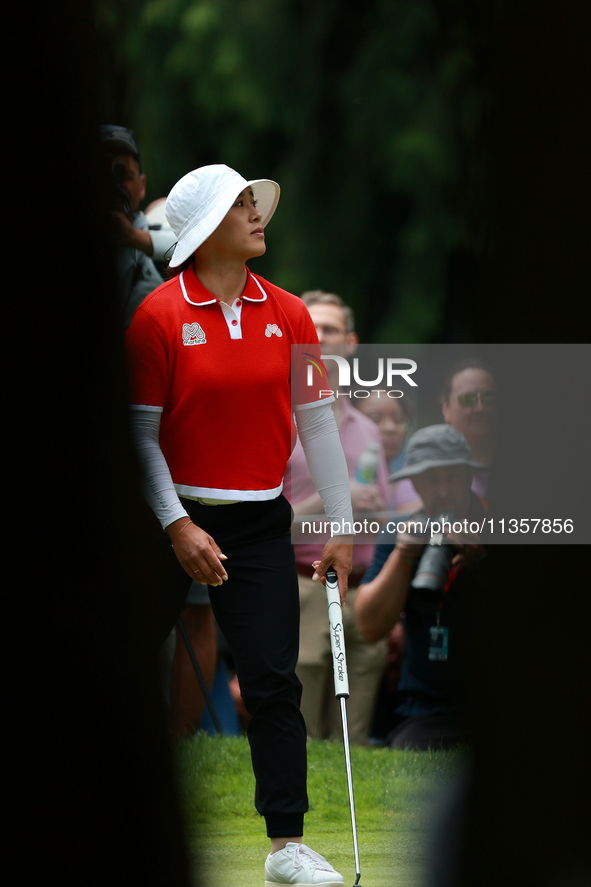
x,y
341,689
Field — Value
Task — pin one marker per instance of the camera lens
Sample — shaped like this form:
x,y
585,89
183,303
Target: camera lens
x,y
433,567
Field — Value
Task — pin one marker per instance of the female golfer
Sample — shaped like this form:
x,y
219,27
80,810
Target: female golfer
x,y
214,391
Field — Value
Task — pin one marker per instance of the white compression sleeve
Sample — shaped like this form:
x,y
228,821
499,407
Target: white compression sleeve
x,y
159,489
319,435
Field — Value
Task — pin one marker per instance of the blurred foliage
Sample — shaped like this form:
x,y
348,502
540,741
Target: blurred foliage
x,y
366,114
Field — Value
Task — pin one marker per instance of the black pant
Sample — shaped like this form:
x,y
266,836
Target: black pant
x,y
257,609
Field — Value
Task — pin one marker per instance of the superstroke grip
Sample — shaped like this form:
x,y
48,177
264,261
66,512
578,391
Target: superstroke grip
x,y
337,636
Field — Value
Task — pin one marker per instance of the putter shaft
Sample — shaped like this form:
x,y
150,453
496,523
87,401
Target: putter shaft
x,y
341,685
350,786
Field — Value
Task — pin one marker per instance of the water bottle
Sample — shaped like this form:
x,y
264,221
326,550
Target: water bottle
x,y
368,464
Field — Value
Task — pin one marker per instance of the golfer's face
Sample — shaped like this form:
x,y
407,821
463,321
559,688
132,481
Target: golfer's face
x,y
445,490
240,234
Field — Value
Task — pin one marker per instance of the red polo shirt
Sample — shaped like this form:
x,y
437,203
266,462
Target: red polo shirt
x,y
221,377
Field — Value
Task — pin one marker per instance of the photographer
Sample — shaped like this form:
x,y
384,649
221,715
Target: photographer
x,y
427,584
140,247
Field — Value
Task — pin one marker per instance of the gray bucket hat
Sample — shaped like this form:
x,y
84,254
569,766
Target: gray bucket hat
x,y
199,201
436,446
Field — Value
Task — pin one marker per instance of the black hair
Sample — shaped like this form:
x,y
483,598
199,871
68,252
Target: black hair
x,y
172,272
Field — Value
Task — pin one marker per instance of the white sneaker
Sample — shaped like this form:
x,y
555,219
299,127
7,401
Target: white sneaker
x,y
298,864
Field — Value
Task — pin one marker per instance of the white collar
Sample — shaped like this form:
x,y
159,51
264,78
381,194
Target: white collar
x,y
214,300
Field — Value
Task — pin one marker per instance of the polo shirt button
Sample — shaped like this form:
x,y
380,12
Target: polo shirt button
x,y
239,303
234,323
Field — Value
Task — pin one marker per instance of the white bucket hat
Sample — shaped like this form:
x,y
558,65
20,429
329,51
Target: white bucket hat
x,y
199,201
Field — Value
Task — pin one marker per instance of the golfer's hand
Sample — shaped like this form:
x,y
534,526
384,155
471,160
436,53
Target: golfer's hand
x,y
338,553
198,554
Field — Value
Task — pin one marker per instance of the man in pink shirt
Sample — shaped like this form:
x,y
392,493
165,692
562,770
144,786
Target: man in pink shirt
x,y
334,324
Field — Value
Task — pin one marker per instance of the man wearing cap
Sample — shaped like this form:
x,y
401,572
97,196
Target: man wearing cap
x,y
140,246
398,586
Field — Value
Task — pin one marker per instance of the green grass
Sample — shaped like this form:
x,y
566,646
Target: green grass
x,y
395,795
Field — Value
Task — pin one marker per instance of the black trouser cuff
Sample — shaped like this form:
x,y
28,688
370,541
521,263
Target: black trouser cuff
x,y
285,826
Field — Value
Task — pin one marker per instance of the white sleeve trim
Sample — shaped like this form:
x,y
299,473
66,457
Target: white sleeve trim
x,y
316,403
146,407
158,486
319,435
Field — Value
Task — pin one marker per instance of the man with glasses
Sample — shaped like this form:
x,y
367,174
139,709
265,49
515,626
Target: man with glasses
x,y
469,403
334,322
